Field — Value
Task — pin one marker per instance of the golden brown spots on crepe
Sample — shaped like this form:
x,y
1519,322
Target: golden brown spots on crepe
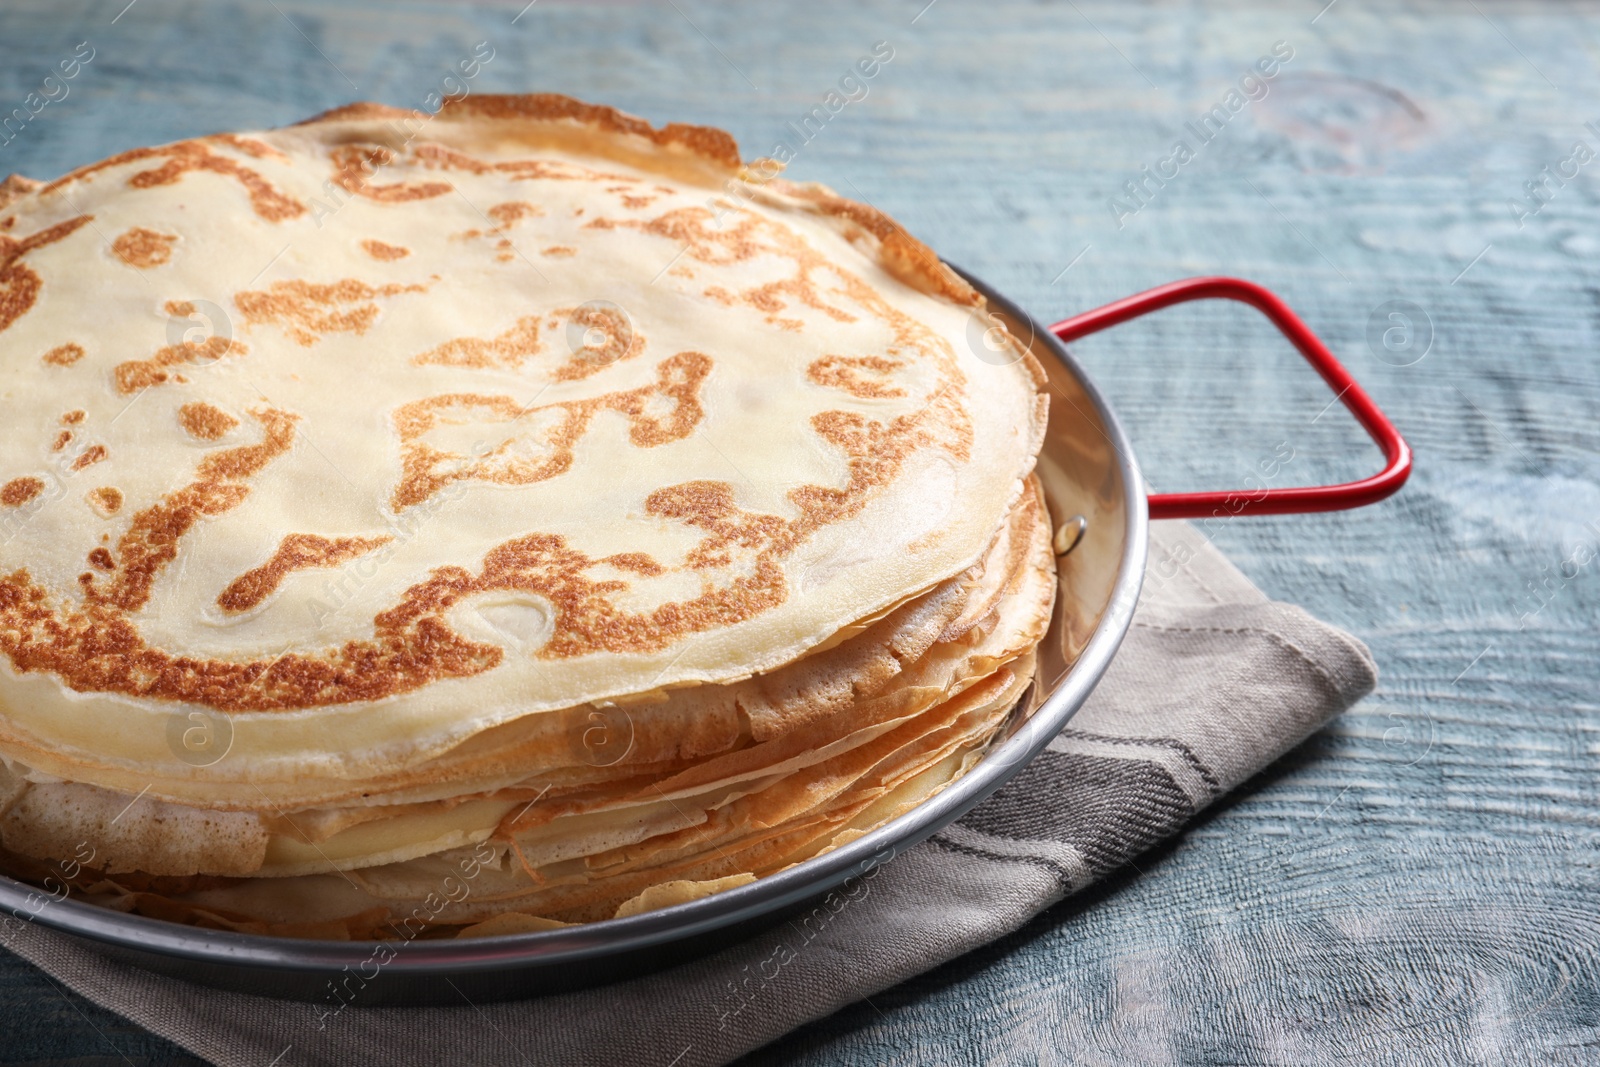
x,y
248,145
295,552
151,540
354,166
72,418
137,374
637,562
710,506
816,280
904,256
180,159
612,335
64,355
89,457
876,450
18,491
107,500
506,216
552,429
694,229
19,283
96,648
307,310
844,372
618,340
438,157
237,464
509,350
512,212
382,251
63,439
559,251
588,621
144,248
205,422
101,559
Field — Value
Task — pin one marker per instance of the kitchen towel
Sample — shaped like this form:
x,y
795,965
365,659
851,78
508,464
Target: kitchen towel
x,y
1213,682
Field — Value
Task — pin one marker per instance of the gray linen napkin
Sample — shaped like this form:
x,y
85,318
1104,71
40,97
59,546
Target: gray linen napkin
x,y
1213,682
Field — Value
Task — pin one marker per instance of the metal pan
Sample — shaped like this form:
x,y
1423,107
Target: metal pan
x,y
1100,510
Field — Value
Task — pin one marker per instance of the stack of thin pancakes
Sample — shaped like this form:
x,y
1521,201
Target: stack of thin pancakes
x,y
417,525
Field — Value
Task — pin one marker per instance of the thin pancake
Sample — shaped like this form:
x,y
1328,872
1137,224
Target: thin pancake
x,y
740,411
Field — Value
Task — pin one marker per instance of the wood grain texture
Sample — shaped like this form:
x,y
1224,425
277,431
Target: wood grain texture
x,y
1418,883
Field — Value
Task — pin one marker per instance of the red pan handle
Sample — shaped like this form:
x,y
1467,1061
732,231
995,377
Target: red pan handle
x,y
1263,501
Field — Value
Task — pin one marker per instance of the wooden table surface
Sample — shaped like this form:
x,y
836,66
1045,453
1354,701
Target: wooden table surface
x,y
1417,883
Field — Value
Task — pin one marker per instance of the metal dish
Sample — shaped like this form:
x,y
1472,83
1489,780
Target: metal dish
x,y
1095,492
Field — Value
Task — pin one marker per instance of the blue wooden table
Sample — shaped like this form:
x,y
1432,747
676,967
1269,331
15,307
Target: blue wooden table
x,y
1416,884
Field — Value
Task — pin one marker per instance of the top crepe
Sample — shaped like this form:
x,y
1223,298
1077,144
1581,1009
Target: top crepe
x,y
369,434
